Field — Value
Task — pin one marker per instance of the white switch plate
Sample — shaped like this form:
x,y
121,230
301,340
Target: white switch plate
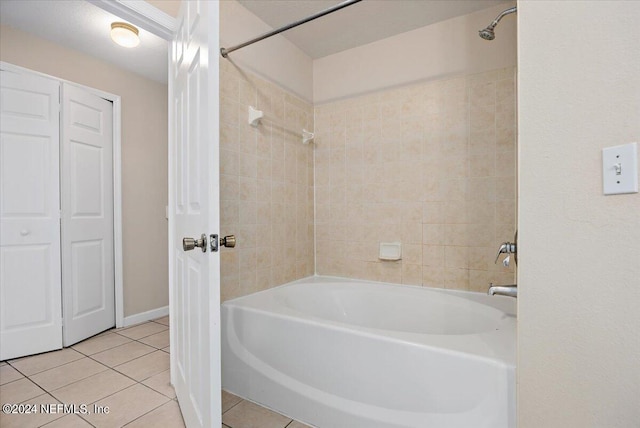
x,y
620,169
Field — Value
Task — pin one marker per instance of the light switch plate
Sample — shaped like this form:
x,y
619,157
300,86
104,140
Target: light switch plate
x,y
620,169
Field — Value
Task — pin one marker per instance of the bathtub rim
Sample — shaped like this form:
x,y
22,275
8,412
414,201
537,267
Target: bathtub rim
x,y
438,343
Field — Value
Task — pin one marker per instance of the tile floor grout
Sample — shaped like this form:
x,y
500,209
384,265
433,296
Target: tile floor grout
x,y
247,410
89,356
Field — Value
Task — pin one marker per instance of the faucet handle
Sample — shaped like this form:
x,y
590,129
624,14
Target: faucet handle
x,y
506,248
506,261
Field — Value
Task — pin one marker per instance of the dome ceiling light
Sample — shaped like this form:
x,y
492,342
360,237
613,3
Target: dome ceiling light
x,y
124,34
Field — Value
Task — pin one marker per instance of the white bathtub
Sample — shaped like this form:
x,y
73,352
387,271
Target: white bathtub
x,y
336,353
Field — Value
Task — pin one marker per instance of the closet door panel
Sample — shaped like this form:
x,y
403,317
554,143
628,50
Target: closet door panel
x,y
30,285
87,221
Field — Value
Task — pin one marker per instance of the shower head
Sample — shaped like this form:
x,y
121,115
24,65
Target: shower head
x,y
488,33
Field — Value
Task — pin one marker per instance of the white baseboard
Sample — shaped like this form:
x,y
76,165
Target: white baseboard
x,y
146,316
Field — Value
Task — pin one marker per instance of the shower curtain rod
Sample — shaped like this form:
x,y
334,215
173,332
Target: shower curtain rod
x,y
226,51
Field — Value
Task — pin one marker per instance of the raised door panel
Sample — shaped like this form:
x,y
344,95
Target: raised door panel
x,y
30,288
87,224
194,196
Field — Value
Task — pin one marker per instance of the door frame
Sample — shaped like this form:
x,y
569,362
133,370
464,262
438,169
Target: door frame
x,y
117,179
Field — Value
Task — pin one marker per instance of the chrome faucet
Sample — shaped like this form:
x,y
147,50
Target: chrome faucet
x,y
506,248
503,290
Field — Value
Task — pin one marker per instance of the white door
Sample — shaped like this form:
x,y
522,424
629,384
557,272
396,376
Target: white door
x,y
30,310
88,288
194,210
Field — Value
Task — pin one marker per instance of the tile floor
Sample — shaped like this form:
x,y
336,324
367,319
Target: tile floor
x,y
125,369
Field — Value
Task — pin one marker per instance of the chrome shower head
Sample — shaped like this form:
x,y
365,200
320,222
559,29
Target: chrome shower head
x,y
488,33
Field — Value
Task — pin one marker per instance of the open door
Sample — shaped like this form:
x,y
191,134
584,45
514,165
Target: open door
x,y
194,276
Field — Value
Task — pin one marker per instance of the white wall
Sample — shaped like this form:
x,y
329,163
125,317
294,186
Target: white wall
x,y
579,261
275,59
447,48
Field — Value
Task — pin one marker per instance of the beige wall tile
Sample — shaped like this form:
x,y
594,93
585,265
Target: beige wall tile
x,y
431,165
433,277
271,176
411,274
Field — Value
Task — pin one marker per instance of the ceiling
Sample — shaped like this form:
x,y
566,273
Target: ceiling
x,y
358,24
84,27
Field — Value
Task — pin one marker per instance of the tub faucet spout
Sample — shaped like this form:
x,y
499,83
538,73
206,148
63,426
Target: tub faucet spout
x,y
503,290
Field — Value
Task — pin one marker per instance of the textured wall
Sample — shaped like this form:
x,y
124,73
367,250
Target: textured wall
x,y
579,271
431,165
266,185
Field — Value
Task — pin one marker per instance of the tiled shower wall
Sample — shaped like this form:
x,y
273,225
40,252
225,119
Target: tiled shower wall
x,y
266,185
430,165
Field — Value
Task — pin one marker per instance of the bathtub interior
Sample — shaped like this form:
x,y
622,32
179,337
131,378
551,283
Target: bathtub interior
x,y
458,321
324,359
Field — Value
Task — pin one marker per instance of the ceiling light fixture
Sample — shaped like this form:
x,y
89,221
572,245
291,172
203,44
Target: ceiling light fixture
x,y
124,34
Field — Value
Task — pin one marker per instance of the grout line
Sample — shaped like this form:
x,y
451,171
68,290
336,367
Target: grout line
x,y
147,322
126,362
43,353
30,380
157,407
83,355
107,396
241,400
53,420
56,367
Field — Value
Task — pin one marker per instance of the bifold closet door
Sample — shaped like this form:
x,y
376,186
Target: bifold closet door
x,y
87,214
30,309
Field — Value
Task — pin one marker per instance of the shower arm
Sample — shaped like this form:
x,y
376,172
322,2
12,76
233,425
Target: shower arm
x,y
502,15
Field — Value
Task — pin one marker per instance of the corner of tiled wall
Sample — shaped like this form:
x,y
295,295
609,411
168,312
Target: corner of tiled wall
x,y
431,165
266,185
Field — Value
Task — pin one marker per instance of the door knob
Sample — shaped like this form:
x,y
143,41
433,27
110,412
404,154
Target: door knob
x,y
228,241
189,244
